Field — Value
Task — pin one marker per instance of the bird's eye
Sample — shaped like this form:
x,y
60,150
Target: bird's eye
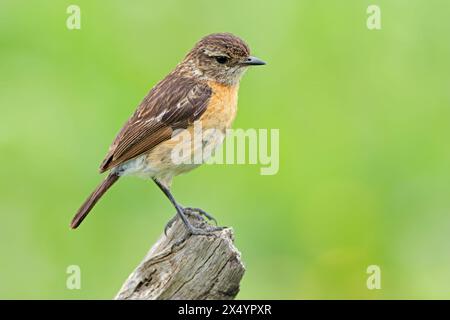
x,y
222,59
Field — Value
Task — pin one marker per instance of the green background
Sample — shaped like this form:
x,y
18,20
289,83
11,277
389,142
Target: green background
x,y
364,120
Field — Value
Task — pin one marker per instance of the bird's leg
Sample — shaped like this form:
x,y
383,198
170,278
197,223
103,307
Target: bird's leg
x,y
180,211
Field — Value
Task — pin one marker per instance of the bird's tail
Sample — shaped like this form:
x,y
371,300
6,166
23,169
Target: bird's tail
x,y
92,199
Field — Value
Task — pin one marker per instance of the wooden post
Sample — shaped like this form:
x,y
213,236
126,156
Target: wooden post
x,y
179,266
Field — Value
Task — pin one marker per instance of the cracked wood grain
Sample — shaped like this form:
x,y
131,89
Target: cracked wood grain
x,y
178,266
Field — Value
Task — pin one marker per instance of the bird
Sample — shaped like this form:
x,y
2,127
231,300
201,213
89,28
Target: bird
x,y
202,88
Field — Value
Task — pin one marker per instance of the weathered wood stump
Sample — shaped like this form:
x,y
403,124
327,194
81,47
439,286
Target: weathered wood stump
x,y
182,266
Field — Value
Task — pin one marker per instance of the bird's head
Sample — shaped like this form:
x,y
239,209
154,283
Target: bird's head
x,y
220,57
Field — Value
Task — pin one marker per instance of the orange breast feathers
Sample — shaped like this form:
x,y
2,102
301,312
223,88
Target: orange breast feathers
x,y
222,107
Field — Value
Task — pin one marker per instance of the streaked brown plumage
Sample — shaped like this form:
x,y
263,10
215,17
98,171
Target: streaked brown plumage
x,y
174,103
203,87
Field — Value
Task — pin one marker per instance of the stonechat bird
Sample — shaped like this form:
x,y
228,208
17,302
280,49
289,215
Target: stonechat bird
x,y
202,88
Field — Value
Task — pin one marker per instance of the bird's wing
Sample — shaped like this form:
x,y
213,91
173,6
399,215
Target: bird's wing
x,y
172,104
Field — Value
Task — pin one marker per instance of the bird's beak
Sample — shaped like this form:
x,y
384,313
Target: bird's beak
x,y
253,61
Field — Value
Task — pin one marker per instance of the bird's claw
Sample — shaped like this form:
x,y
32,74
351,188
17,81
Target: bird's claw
x,y
198,232
201,213
169,224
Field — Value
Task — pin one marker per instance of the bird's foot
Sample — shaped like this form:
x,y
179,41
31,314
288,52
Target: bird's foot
x,y
199,231
199,214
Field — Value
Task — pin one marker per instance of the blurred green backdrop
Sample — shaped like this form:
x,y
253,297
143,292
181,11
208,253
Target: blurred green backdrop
x,y
364,154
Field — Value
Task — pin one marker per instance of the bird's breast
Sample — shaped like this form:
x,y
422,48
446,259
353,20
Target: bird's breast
x,y
222,107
